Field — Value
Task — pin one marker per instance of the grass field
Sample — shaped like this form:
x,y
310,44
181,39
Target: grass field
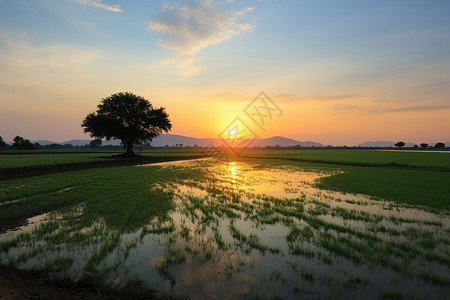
x,y
363,157
13,159
287,224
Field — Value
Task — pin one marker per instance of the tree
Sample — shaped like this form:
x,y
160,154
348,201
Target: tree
x,y
2,142
95,143
23,144
439,145
127,117
400,144
424,145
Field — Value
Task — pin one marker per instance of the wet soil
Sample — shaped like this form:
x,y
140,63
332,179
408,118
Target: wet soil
x,y
24,284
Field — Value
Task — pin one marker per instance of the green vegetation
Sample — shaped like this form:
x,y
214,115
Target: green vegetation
x,y
125,197
202,218
13,159
414,178
427,188
362,157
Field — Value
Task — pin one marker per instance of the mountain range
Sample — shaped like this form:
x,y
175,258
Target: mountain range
x,y
173,139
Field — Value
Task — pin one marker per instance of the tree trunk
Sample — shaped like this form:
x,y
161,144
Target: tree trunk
x,y
130,147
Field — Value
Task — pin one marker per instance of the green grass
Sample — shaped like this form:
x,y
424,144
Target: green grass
x,y
13,159
37,159
135,200
428,188
405,177
124,196
359,156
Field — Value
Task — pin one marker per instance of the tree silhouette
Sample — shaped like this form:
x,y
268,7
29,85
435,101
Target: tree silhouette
x,y
2,142
400,144
95,143
127,117
424,145
439,145
23,144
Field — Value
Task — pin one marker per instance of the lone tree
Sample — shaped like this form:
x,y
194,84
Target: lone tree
x,y
400,144
439,145
424,145
127,117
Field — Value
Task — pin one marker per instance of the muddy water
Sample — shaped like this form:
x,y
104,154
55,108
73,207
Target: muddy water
x,y
225,242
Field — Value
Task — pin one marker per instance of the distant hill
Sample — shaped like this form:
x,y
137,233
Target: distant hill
x,y
383,144
44,142
284,142
77,142
174,139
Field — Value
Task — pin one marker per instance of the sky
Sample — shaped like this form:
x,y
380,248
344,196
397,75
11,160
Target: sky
x,y
338,72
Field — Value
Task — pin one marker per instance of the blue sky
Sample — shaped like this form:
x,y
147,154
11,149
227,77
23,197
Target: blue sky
x,y
342,71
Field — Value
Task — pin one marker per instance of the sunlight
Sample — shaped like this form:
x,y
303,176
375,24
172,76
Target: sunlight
x,y
233,173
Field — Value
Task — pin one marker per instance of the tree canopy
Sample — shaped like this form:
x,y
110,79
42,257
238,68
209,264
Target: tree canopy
x,y
2,142
127,117
400,144
439,145
424,145
23,144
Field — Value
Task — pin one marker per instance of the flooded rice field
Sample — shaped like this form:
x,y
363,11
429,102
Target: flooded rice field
x,y
246,230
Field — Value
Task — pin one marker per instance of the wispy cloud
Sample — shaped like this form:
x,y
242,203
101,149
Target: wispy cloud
x,y
372,106
414,108
190,26
281,98
101,4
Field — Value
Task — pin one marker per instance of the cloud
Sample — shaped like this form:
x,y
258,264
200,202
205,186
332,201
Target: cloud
x,y
372,106
281,98
414,108
192,25
100,4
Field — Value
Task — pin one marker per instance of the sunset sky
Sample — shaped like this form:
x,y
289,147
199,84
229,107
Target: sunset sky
x,y
342,72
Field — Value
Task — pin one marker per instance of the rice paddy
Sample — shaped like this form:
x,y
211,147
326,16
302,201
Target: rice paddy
x,y
244,229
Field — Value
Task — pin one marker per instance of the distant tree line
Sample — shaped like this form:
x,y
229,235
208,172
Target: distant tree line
x,y
20,143
423,145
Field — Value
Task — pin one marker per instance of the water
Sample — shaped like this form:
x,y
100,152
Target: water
x,y
242,230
